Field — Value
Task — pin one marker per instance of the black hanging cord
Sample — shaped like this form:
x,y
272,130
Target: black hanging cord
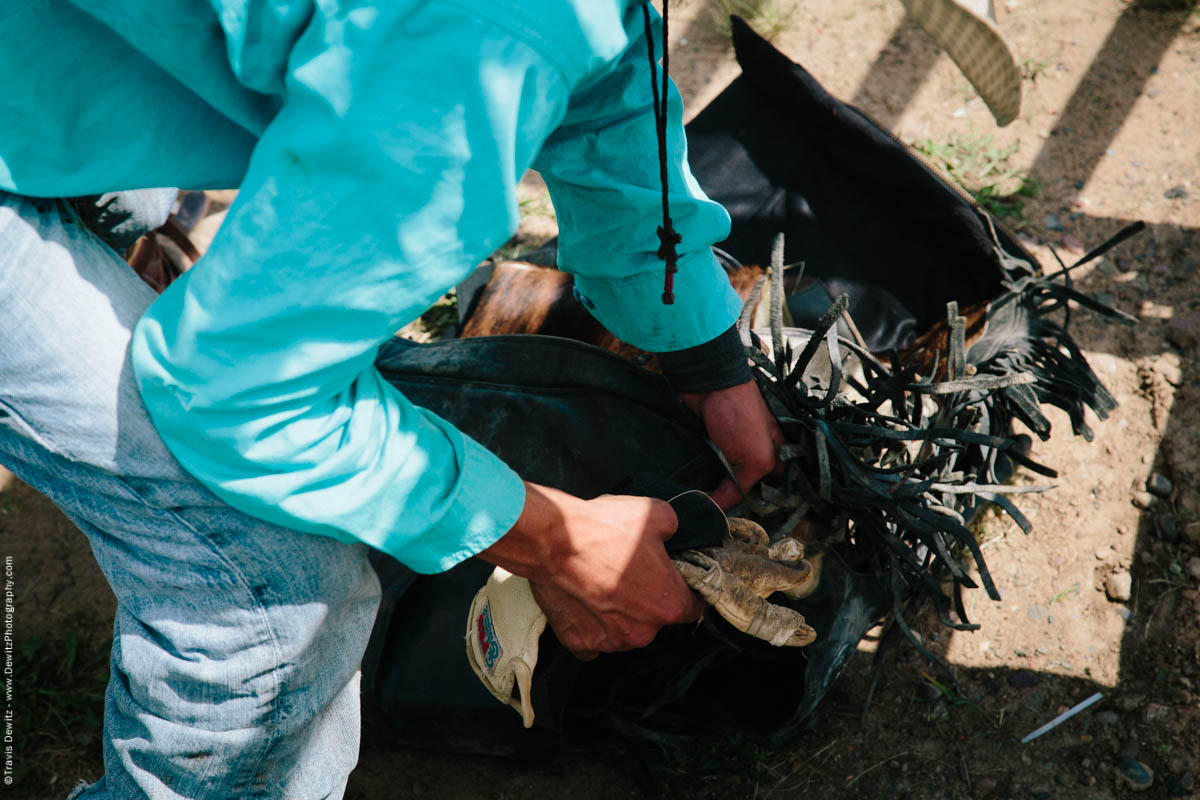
x,y
667,237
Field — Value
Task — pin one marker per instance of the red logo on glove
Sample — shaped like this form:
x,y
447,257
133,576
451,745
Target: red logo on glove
x,y
489,645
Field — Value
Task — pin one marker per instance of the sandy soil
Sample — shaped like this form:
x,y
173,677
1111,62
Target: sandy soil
x,y
1108,133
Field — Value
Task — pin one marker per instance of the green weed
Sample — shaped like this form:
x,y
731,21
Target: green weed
x,y
768,18
981,168
1032,68
949,693
1058,598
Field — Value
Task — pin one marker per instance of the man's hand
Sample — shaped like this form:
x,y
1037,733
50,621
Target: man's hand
x,y
598,568
739,422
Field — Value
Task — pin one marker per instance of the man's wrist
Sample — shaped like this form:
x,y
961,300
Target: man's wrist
x,y
532,547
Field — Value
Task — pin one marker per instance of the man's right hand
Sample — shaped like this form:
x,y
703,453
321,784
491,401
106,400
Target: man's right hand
x,y
598,568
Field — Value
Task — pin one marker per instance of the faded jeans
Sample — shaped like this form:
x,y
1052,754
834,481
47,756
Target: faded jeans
x,y
236,643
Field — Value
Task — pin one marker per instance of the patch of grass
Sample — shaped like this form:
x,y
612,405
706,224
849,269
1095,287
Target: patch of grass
x,y
1032,68
981,168
538,225
768,18
1174,574
1172,578
949,694
538,205
436,322
512,249
1058,598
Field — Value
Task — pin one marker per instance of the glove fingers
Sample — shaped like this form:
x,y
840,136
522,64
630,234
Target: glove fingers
x,y
740,606
751,613
524,675
701,573
762,575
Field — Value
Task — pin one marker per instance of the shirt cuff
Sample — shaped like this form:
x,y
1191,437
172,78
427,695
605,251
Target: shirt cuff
x,y
632,308
716,364
489,501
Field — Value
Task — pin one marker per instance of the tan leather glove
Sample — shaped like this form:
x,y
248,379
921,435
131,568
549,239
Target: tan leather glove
x,y
737,578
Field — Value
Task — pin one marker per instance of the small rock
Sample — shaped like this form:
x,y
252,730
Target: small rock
x,y
928,748
1107,717
1159,484
1123,612
1035,612
1144,500
1168,367
1128,702
1103,552
1176,193
1105,297
1166,528
1119,586
1073,244
1184,331
1175,787
1035,701
1134,773
1052,222
1187,782
1065,779
1023,679
1179,696
928,692
1193,567
985,788
1191,532
1153,712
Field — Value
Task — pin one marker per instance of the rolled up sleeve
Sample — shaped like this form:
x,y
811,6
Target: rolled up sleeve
x,y
601,167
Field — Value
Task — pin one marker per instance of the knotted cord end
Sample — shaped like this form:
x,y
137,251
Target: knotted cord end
x,y
668,239
667,236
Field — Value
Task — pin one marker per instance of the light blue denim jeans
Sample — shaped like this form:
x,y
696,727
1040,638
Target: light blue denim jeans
x,y
237,643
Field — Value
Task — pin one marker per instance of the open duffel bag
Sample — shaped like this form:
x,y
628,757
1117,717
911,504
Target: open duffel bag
x,y
896,409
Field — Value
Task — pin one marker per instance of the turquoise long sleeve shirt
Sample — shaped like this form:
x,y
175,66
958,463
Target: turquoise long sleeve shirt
x,y
377,147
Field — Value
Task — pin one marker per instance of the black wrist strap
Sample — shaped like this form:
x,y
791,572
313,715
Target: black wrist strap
x,y
717,364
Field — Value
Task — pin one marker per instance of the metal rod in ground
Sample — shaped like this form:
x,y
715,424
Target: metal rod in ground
x,y
1063,717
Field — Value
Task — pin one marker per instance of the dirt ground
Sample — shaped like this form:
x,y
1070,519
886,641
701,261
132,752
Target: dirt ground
x,y
1107,135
